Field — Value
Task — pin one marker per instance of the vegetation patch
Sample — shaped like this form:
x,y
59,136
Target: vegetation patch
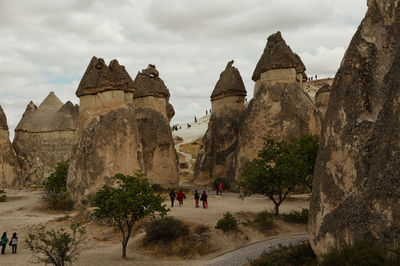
x,y
264,221
227,223
297,216
56,195
171,237
3,196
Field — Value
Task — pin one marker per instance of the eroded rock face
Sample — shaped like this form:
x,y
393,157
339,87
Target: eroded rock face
x,y
276,111
220,140
160,160
44,137
9,165
322,99
120,134
108,145
356,182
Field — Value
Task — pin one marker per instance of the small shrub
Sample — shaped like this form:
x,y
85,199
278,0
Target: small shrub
x,y
297,216
265,220
201,229
3,197
165,230
56,196
361,253
301,254
227,223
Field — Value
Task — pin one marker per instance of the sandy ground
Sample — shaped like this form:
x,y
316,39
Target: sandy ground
x,y
22,211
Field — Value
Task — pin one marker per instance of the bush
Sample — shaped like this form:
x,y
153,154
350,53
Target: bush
x,y
227,223
301,254
265,220
297,216
165,230
361,253
56,196
3,197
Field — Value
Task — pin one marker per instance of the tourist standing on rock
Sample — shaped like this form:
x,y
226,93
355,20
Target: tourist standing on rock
x,y
4,241
203,198
172,196
206,112
195,119
14,243
196,198
180,196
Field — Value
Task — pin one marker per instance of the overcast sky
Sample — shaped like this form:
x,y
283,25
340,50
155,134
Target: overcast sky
x,y
47,45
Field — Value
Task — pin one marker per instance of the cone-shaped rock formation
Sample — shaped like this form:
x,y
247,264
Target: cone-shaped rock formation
x,y
220,140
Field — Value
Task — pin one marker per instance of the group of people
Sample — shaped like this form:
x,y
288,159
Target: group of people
x,y
207,111
312,78
13,243
175,127
180,196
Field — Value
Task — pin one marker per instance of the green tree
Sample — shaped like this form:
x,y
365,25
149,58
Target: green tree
x,y
126,204
56,195
279,168
58,247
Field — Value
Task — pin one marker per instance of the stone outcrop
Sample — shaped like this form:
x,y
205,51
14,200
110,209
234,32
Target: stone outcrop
x,y
357,175
278,64
280,107
44,137
219,142
123,127
153,115
9,165
322,99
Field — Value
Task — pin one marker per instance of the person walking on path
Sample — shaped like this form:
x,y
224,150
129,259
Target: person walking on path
x,y
180,196
172,196
195,119
14,243
219,188
196,198
204,200
4,241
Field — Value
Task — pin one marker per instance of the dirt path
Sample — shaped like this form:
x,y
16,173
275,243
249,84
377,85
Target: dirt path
x,y
242,255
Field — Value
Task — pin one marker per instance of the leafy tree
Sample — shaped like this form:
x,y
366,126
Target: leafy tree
x,y
56,195
58,247
279,168
126,204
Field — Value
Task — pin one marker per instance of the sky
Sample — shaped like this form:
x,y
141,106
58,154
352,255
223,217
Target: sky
x,y
46,45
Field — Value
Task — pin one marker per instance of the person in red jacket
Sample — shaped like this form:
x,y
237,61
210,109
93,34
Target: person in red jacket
x,y
180,196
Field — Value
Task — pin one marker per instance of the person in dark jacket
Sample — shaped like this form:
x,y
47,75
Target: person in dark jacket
x,y
196,198
172,196
203,198
14,243
4,241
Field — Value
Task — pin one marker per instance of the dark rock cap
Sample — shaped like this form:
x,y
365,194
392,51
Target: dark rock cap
x,y
170,111
148,83
99,78
324,88
123,80
3,119
230,83
277,55
301,68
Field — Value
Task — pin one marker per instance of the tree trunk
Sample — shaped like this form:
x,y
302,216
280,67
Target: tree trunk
x,y
124,249
276,209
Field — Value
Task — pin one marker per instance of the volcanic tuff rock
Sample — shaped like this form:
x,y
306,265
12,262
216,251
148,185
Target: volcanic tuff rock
x,y
357,175
121,130
219,142
44,137
322,99
277,111
9,165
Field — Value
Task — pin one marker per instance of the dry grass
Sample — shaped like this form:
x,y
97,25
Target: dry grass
x,y
192,148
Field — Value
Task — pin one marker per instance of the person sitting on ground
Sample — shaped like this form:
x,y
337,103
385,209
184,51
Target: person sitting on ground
x,y
172,196
4,241
204,199
14,243
180,196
